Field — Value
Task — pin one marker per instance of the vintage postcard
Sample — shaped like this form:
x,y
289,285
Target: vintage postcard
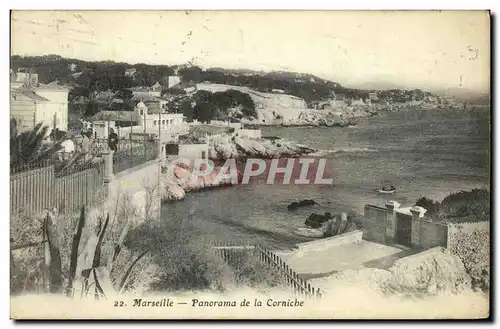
x,y
250,164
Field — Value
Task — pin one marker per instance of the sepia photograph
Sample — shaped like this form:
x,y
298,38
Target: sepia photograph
x,y
250,165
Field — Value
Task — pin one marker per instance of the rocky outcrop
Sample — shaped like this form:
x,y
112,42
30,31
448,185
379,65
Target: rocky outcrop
x,y
432,272
245,147
335,226
325,226
185,179
291,117
317,220
303,203
320,118
172,192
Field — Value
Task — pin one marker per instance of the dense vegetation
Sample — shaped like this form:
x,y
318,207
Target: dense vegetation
x,y
222,105
90,78
27,149
106,75
473,206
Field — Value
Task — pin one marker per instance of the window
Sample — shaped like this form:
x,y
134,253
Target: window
x,y
142,112
154,122
163,122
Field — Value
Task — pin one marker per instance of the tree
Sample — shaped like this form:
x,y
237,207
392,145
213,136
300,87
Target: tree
x,y
27,148
125,95
193,73
431,206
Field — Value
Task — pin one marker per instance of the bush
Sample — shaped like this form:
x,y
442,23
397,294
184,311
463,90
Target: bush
x,y
473,205
26,263
431,206
250,272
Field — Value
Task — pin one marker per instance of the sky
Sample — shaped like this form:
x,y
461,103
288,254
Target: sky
x,y
372,49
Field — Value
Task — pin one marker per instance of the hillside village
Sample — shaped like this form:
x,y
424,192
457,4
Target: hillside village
x,y
62,92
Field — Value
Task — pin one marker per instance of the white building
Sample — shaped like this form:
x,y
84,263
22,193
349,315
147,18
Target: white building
x,y
26,77
45,103
130,72
173,80
72,67
152,121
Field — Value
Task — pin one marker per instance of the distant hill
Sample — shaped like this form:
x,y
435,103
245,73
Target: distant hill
x,y
110,75
465,95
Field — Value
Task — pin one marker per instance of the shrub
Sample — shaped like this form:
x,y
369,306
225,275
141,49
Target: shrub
x,y
431,206
473,205
187,262
252,273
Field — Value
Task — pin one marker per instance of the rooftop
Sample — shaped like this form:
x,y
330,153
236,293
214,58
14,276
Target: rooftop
x,y
30,93
115,116
51,86
149,98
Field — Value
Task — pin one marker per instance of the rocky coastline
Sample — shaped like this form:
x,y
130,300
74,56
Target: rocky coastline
x,y
238,148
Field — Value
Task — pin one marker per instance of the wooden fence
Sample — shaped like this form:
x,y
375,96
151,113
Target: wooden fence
x,y
34,190
232,253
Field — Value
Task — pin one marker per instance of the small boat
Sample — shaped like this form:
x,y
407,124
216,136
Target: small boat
x,y
385,190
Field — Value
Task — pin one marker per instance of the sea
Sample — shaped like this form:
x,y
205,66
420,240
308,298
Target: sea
x,y
429,153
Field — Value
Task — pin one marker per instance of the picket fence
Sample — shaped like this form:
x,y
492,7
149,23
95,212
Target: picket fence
x,y
32,191
232,254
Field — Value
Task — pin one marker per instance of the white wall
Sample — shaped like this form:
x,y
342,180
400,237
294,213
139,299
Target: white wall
x,y
146,93
192,151
58,104
173,81
22,109
170,123
102,128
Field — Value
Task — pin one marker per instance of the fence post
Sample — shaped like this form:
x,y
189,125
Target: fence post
x,y
108,170
108,166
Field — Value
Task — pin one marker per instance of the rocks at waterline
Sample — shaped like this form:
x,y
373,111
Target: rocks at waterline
x,y
303,203
185,179
331,225
246,147
317,220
